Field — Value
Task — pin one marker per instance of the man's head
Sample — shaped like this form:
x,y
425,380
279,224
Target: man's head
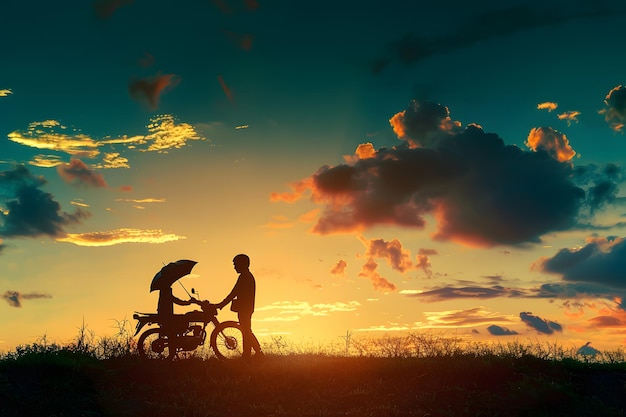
x,y
241,262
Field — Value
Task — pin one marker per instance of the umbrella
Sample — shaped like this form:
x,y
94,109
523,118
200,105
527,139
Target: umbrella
x,y
170,273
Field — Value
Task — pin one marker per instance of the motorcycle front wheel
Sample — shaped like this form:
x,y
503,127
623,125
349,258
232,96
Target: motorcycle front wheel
x,y
227,340
151,345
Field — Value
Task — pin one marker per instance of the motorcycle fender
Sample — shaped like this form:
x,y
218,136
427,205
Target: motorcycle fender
x,y
140,325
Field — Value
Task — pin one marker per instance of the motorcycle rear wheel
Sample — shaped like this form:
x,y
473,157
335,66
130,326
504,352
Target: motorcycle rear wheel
x,y
151,345
227,340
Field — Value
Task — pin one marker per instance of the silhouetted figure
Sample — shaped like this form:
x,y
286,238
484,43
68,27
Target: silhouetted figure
x,y
242,298
165,308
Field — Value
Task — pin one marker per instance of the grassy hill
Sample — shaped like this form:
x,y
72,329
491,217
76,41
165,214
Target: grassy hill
x,y
77,380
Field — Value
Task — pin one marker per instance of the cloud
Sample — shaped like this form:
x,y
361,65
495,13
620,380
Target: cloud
x,y
29,211
46,161
464,318
601,261
547,106
411,48
14,298
227,91
551,141
113,160
423,261
52,135
539,324
294,310
119,236
148,90
615,110
369,271
76,171
392,252
339,268
164,133
480,191
614,320
469,292
570,116
5,92
496,330
105,8
142,200
397,258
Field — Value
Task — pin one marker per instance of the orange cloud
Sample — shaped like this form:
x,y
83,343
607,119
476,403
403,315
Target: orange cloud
x,y
423,263
552,141
339,268
391,251
298,189
570,116
363,151
547,106
380,284
397,124
119,236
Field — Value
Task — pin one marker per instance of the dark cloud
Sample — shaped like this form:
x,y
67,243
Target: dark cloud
x,y
600,182
29,211
411,49
500,331
78,171
14,298
563,290
615,110
473,292
480,191
148,90
539,324
602,262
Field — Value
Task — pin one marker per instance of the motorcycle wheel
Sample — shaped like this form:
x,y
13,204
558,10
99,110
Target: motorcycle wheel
x,y
152,346
227,340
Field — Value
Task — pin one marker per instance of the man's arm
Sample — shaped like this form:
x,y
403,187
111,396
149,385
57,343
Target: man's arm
x,y
230,296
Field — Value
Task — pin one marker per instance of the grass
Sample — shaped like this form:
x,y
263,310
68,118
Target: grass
x,y
411,375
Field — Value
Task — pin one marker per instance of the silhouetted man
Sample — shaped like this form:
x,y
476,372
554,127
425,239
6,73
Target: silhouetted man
x,y
165,309
242,298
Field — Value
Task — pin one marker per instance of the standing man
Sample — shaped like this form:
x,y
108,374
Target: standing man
x,y
242,298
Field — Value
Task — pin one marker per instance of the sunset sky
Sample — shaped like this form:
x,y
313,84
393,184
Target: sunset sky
x,y
454,169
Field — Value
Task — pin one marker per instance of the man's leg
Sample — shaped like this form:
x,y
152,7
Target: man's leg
x,y
245,321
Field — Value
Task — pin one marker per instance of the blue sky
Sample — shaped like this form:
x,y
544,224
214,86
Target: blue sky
x,y
388,167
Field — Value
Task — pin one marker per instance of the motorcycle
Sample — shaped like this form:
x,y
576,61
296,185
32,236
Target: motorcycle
x,y
187,332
